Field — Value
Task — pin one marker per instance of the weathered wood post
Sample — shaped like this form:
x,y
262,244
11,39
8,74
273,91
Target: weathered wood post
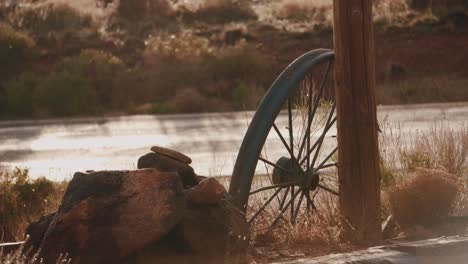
x,y
359,174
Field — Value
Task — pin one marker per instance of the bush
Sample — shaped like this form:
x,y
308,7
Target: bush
x,y
44,19
102,70
16,50
220,12
438,6
300,10
56,27
424,90
84,84
189,101
228,76
24,200
425,199
138,18
20,94
66,93
241,62
137,9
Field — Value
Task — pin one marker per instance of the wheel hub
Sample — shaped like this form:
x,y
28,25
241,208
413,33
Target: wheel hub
x,y
288,171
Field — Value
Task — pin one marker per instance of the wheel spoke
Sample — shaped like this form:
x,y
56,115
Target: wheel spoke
x,y
284,141
316,143
283,200
264,205
282,211
298,207
292,205
310,201
286,184
332,111
328,189
273,165
327,166
326,159
290,128
311,112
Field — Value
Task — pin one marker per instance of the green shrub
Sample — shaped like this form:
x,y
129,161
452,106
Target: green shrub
x,y
56,27
82,84
220,12
189,101
226,79
137,9
24,200
298,10
162,108
65,93
241,62
16,51
141,17
424,90
245,97
20,93
102,70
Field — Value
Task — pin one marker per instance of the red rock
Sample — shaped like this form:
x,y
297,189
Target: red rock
x,y
215,233
172,154
105,216
208,191
208,234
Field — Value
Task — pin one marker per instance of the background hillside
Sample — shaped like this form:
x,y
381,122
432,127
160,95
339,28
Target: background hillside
x,y
104,57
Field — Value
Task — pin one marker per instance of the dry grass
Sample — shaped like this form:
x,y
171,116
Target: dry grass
x,y
317,232
424,90
19,256
24,200
218,11
303,10
426,198
440,147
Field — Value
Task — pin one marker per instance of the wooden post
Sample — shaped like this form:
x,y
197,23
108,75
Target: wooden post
x,y
359,174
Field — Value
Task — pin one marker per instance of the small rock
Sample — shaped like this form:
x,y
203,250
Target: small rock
x,y
208,191
165,164
172,154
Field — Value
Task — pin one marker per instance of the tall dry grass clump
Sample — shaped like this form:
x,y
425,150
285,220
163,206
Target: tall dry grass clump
x,y
320,226
440,147
24,200
426,198
20,256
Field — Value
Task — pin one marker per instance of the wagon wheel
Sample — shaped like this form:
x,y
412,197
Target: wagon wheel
x,y
287,158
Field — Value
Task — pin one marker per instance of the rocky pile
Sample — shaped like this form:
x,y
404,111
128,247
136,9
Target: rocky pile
x,y
161,213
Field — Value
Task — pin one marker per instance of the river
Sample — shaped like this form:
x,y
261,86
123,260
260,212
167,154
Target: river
x,y
56,148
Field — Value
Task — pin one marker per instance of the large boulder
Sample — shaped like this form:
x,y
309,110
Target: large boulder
x,y
208,234
162,213
107,215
